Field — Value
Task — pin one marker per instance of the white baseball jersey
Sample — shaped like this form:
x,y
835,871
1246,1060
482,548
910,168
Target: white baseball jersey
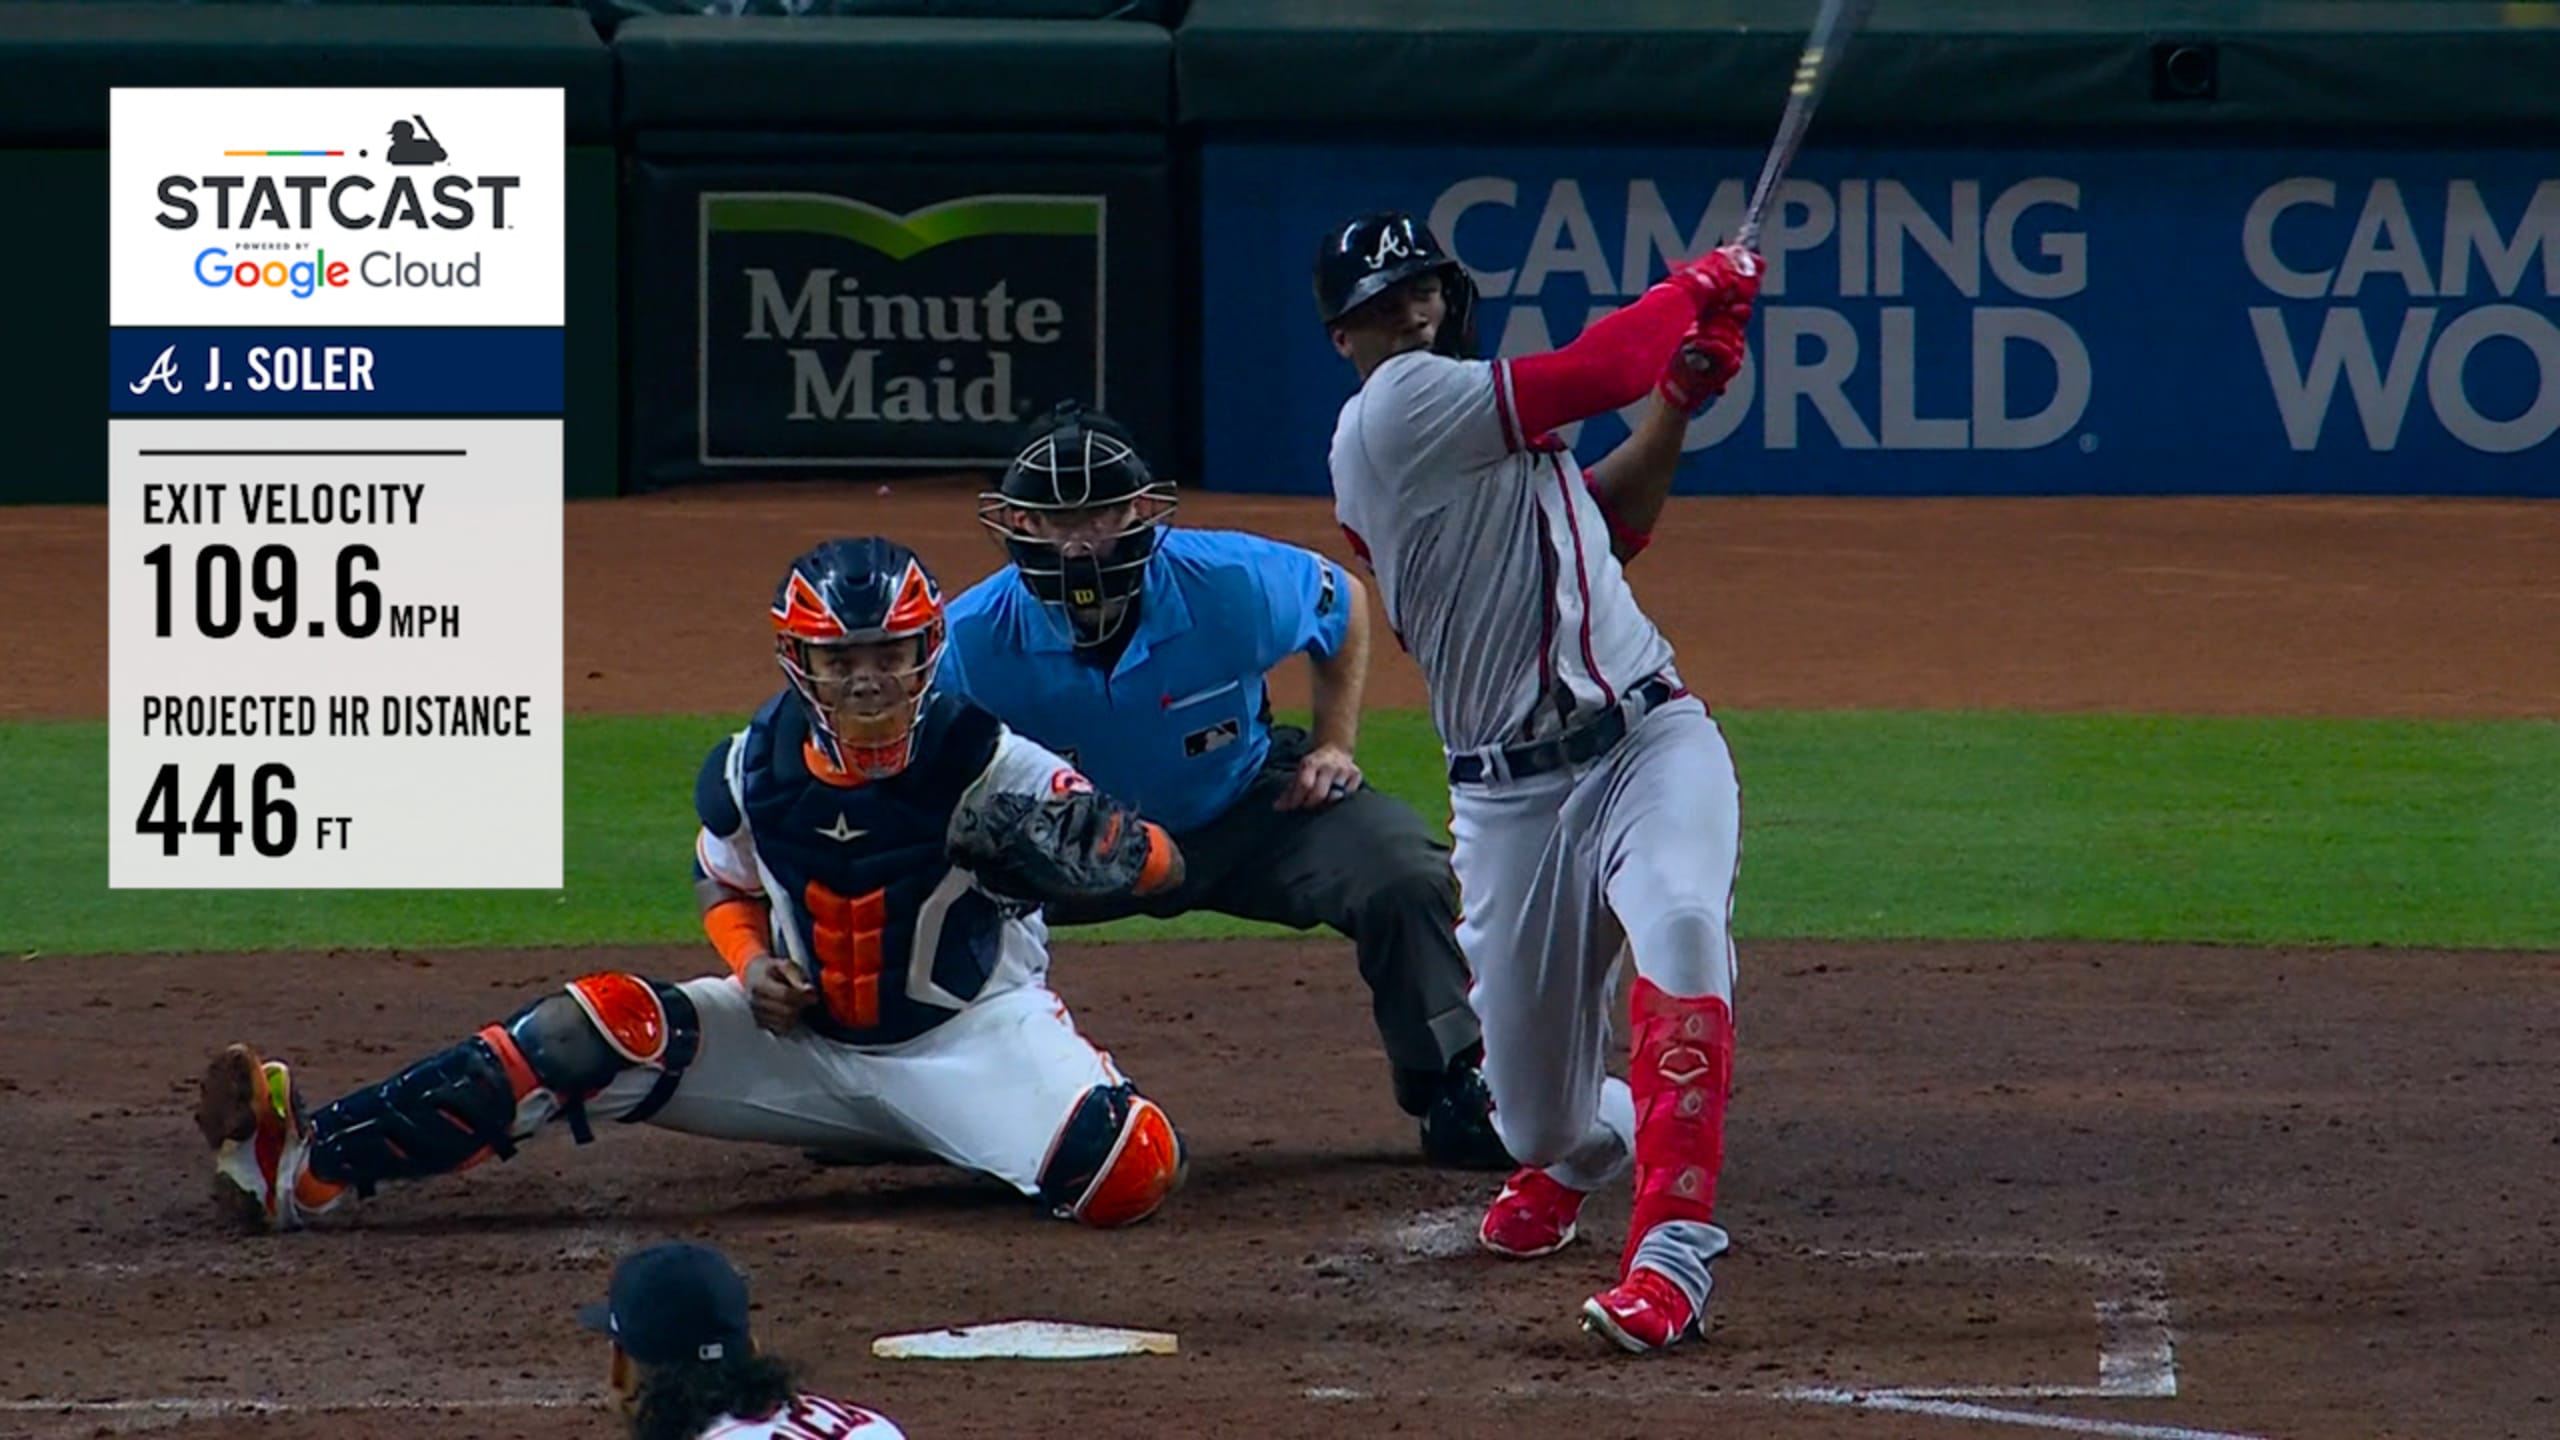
x,y
1492,559
808,1417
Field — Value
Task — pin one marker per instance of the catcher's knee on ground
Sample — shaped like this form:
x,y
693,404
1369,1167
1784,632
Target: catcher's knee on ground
x,y
1115,1159
478,1098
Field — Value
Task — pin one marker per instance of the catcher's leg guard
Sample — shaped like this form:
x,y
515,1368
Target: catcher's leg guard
x,y
1682,1075
459,1106
1114,1161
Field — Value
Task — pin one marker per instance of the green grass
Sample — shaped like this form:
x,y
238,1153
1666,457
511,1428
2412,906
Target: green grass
x,y
2256,831
1856,824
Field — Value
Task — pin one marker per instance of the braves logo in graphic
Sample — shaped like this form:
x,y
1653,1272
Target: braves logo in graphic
x,y
163,373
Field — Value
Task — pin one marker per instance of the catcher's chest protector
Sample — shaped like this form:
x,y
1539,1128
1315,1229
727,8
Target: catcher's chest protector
x,y
894,938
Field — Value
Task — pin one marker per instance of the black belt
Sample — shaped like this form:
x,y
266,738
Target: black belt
x,y
1573,747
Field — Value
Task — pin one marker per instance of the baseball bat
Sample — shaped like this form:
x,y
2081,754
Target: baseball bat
x,y
1832,27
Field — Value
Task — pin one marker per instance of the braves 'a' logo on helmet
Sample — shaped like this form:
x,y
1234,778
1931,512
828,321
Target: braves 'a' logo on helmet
x,y
1395,242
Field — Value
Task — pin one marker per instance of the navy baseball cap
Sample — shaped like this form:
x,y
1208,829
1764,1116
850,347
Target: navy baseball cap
x,y
672,1304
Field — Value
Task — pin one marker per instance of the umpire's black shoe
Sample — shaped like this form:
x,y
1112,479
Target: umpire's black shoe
x,y
1457,1126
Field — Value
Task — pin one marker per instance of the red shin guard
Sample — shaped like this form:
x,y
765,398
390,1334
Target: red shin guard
x,y
1682,1074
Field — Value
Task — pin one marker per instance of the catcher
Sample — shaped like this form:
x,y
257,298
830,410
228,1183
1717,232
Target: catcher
x,y
871,857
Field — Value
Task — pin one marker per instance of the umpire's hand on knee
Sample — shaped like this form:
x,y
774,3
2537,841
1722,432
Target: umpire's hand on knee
x,y
1325,775
777,993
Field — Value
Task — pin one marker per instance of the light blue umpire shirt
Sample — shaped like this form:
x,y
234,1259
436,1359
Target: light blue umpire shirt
x,y
1176,727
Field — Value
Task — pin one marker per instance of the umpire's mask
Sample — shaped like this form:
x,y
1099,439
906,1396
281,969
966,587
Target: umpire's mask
x,y
1078,513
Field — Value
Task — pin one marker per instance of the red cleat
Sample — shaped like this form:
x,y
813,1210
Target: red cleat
x,y
1641,1313
1533,1216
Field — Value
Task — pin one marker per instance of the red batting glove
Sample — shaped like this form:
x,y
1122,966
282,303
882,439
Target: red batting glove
x,y
1722,277
1710,355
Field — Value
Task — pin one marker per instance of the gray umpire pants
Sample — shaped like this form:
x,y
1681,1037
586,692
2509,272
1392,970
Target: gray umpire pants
x,y
1367,866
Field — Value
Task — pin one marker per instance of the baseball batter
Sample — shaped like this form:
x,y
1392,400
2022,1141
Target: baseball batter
x,y
871,856
1595,803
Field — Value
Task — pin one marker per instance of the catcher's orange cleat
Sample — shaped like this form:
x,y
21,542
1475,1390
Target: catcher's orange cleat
x,y
252,1120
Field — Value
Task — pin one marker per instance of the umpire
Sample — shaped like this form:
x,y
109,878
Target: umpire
x,y
1139,652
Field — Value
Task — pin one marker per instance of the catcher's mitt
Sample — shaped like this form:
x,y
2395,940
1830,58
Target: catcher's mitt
x,y
1072,846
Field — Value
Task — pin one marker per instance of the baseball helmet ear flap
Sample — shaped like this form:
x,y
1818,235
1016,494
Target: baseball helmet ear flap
x,y
1456,337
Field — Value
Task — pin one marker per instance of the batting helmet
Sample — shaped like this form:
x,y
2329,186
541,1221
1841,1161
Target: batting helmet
x,y
1079,512
858,627
1365,258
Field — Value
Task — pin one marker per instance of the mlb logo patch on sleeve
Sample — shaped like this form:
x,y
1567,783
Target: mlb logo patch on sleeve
x,y
1216,737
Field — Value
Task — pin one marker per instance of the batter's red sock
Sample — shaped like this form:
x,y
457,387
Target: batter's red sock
x,y
1682,1074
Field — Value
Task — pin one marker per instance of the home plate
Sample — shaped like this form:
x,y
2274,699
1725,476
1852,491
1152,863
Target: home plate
x,y
1023,1340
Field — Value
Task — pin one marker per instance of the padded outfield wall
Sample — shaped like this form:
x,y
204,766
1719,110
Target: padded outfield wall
x,y
2028,248
2123,246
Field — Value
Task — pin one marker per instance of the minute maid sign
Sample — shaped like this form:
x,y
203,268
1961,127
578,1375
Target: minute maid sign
x,y
836,333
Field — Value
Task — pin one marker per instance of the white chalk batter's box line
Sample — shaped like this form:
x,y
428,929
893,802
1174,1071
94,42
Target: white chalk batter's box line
x,y
2137,1354
2137,1343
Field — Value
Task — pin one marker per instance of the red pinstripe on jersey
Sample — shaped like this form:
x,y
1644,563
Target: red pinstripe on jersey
x,y
1582,582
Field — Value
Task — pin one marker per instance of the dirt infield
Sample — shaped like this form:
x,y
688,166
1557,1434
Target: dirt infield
x,y
2154,1192
2329,1173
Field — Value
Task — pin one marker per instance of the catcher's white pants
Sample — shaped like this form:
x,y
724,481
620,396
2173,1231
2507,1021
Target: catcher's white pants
x,y
987,1089
1555,873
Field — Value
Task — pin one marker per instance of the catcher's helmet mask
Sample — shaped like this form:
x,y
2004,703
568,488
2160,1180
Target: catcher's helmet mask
x,y
1367,258
1079,513
859,630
